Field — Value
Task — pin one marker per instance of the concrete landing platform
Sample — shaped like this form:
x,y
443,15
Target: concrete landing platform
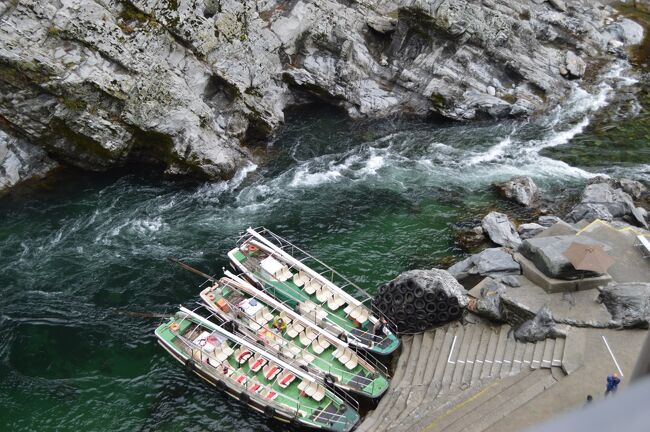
x,y
552,285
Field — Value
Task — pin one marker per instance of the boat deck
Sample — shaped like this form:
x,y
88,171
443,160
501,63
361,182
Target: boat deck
x,y
291,396
358,377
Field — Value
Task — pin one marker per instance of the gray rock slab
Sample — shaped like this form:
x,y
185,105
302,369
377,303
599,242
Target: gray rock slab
x,y
547,255
500,230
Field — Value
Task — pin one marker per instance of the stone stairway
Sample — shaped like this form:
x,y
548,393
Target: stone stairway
x,y
464,378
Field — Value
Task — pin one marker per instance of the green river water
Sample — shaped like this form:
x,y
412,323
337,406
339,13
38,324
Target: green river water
x,y
83,257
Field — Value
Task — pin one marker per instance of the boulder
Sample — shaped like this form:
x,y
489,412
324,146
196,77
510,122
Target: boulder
x,y
548,220
546,254
539,328
633,188
489,304
558,4
529,230
489,262
602,201
627,303
521,190
418,300
382,23
500,230
574,65
511,281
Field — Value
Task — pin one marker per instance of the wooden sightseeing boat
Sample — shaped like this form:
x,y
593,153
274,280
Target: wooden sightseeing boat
x,y
292,336
280,269
248,373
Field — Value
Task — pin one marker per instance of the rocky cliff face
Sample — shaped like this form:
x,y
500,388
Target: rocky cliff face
x,y
183,83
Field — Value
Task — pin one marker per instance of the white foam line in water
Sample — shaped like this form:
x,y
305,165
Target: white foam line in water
x,y
493,152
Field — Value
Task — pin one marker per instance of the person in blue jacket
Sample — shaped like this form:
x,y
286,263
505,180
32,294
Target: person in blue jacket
x,y
612,383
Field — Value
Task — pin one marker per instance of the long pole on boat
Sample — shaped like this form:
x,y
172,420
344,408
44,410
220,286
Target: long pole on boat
x,y
291,260
212,326
192,269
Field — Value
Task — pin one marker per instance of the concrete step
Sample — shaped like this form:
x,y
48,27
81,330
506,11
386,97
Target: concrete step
x,y
481,353
463,350
441,364
538,353
398,399
509,356
500,351
528,355
424,375
452,359
424,358
472,356
432,361
490,353
558,352
444,419
389,397
518,358
422,418
503,403
414,356
547,357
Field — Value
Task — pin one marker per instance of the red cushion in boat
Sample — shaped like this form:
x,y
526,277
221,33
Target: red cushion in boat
x,y
287,379
273,370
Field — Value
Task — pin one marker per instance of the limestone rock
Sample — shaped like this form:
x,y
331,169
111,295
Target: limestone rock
x,y
529,230
511,281
602,201
417,300
548,220
521,190
628,303
489,262
489,304
546,254
539,328
558,4
574,65
101,83
500,230
633,188
381,23
21,161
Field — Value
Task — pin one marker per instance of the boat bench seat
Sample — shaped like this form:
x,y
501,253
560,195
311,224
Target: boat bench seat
x,y
335,302
307,336
269,394
240,377
256,363
320,344
312,286
293,330
285,378
242,354
271,370
301,278
255,386
324,294
313,390
346,356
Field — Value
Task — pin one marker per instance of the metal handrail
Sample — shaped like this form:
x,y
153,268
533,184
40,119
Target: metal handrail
x,y
280,240
332,367
190,343
362,336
